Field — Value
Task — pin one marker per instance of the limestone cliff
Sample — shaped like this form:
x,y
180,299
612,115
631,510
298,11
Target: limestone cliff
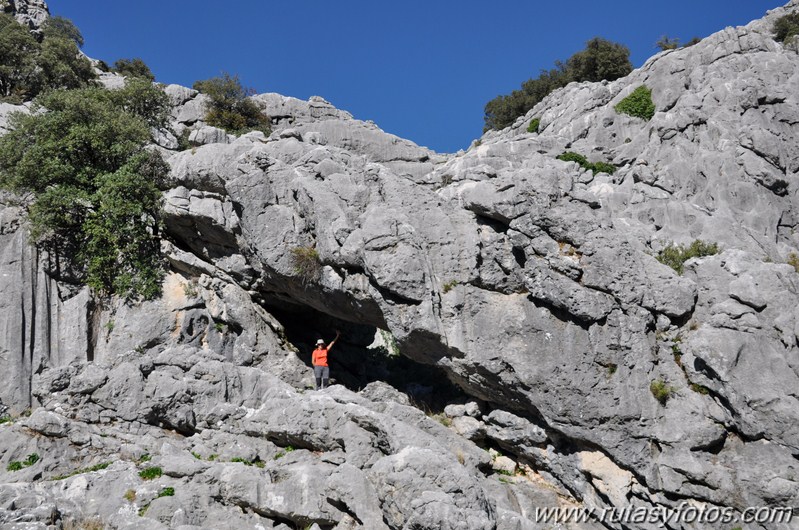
x,y
524,288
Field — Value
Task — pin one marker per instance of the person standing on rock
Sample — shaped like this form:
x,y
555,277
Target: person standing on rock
x,y
321,370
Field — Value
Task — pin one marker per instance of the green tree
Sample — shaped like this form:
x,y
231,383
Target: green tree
x,y
230,107
93,186
28,67
601,59
60,27
786,27
18,54
135,67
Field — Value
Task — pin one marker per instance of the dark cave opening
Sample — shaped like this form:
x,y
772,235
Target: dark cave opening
x,y
364,354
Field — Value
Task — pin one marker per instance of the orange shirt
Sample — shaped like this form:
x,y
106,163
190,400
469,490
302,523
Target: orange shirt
x,y
320,356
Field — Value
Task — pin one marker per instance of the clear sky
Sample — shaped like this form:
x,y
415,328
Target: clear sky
x,y
420,69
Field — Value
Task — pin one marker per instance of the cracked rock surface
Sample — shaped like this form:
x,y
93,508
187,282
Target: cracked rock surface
x,y
530,284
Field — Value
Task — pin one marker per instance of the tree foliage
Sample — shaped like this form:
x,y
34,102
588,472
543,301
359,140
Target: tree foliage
x,y
28,67
94,189
601,59
135,67
60,27
786,27
230,107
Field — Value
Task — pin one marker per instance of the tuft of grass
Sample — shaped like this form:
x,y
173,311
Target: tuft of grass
x,y
130,496
213,457
306,263
196,455
93,523
675,256
700,389
793,260
144,458
612,368
661,390
150,473
534,124
582,161
281,454
638,104
220,327
92,469
5,419
450,285
166,492
190,289
16,465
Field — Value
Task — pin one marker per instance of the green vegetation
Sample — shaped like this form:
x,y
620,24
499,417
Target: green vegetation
x,y
661,391
166,492
638,104
96,204
601,59
130,496
595,167
306,262
612,368
257,462
281,454
5,419
786,27
16,465
133,68
534,124
29,67
667,43
793,260
450,285
230,107
220,327
144,458
675,256
91,469
700,389
150,473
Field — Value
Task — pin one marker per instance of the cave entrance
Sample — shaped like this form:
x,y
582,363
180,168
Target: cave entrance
x,y
365,354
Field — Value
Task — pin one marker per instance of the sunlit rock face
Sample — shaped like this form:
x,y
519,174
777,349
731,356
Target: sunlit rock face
x,y
521,290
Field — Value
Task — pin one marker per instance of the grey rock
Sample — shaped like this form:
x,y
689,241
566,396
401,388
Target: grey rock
x,y
209,135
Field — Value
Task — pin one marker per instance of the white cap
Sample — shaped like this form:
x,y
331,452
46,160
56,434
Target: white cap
x,y
320,341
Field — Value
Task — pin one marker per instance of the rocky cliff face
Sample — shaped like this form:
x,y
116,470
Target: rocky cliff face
x,y
526,282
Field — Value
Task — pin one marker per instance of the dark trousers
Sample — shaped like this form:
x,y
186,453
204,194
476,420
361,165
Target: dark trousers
x,y
322,376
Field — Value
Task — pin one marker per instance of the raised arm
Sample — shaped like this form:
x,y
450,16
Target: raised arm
x,y
338,334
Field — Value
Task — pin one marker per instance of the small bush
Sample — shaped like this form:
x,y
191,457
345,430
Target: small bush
x,y
638,104
450,285
306,263
166,492
595,167
786,27
661,391
32,459
150,473
612,368
793,260
230,107
667,43
700,389
16,465
675,256
130,496
533,127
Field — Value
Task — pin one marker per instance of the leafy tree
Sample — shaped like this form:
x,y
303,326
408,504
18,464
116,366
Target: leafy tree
x,y
230,107
18,54
786,27
135,67
600,60
94,189
60,27
28,67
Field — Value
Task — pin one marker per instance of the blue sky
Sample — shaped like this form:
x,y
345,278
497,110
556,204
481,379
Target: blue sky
x,y
423,70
